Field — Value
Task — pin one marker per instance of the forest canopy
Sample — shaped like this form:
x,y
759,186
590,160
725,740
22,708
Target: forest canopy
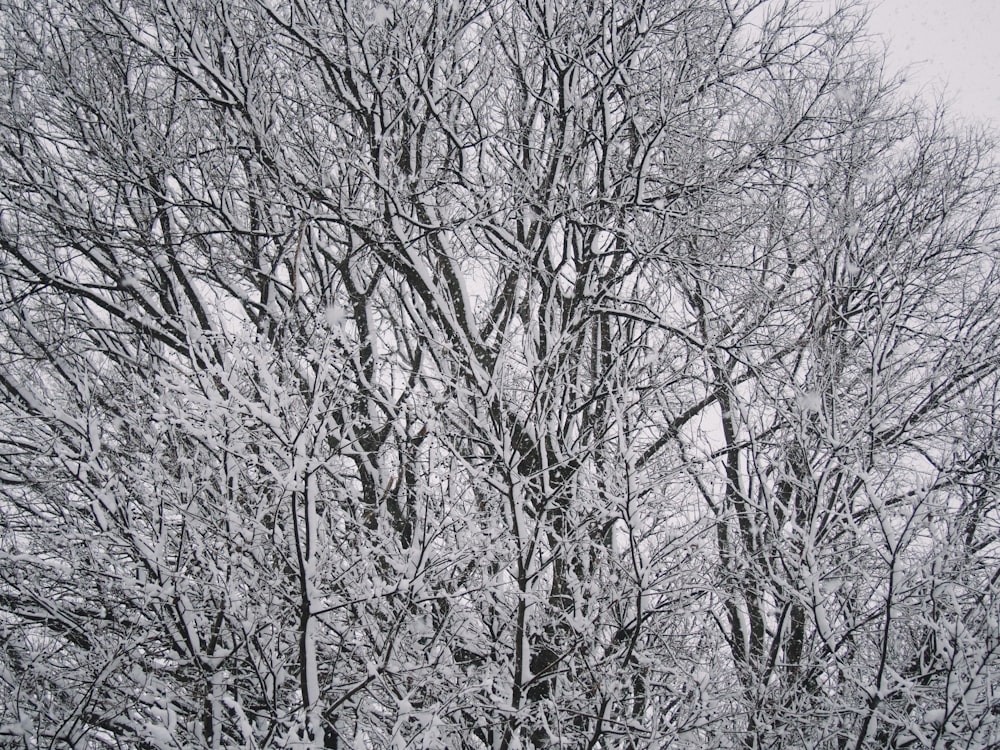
x,y
490,374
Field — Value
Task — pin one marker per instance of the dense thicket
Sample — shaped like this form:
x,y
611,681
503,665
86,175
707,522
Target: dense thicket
x,y
516,373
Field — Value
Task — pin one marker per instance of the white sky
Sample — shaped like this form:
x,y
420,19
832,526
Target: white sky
x,y
952,46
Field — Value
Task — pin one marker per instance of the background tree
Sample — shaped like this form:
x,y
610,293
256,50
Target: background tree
x,y
509,374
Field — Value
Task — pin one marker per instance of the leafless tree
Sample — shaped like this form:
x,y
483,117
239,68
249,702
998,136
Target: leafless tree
x,y
490,374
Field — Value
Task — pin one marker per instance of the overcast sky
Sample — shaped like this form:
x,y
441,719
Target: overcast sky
x,y
953,47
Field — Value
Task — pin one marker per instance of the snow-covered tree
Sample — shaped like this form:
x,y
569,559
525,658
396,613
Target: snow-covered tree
x,y
509,374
